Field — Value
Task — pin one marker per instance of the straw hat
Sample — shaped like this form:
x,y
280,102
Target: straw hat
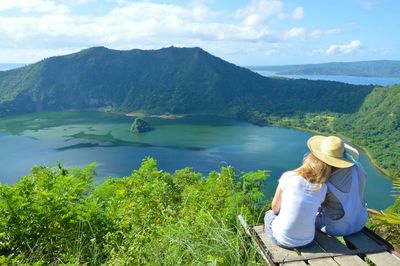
x,y
333,151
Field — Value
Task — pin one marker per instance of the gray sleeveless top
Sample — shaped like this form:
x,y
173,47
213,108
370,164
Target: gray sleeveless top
x,y
341,179
354,210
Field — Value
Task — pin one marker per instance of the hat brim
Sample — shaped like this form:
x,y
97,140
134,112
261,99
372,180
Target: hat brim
x,y
314,144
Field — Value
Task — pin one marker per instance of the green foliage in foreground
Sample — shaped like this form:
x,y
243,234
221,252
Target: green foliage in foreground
x,y
150,217
387,224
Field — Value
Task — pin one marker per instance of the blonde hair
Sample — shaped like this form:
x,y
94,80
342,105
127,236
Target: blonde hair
x,y
314,170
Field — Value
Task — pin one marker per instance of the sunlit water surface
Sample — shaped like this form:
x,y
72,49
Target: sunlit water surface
x,y
203,143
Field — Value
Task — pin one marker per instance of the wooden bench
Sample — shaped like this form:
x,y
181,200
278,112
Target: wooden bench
x,y
326,250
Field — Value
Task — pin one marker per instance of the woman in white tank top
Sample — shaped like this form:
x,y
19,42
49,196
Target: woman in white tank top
x,y
291,222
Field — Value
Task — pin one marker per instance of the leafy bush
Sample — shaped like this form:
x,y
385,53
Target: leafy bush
x,y
48,215
150,217
388,223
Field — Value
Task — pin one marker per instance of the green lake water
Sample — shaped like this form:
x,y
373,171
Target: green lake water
x,y
203,143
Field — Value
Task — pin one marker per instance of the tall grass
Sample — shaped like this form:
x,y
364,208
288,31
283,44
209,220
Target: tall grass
x,y
387,224
57,216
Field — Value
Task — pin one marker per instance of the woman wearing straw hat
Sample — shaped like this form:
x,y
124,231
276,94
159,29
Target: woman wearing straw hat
x,y
343,212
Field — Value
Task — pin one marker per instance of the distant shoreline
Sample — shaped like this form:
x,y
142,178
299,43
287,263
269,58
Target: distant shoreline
x,y
365,150
163,116
178,116
143,114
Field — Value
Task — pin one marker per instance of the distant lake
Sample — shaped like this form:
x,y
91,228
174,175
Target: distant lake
x,y
203,143
357,80
4,67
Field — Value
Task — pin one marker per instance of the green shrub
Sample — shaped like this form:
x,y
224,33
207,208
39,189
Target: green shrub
x,y
50,215
150,217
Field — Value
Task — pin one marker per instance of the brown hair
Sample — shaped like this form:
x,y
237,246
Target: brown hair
x,y
314,170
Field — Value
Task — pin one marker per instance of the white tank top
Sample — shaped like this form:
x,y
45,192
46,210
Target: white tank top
x,y
295,224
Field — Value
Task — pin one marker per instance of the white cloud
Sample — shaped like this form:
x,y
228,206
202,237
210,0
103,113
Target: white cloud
x,y
298,13
140,20
79,2
271,50
44,25
319,33
294,33
368,4
344,48
333,31
20,28
316,33
137,23
260,10
27,6
22,56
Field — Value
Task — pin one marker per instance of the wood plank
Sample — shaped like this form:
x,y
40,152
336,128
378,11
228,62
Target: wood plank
x,y
378,239
331,244
294,263
365,244
329,251
384,259
313,251
374,251
334,246
282,255
352,260
279,255
316,255
322,262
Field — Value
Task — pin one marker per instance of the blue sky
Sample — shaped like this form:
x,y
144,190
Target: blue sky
x,y
244,32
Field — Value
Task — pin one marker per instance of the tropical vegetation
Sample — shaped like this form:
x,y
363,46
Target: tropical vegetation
x,y
59,216
140,126
153,217
174,80
387,223
374,127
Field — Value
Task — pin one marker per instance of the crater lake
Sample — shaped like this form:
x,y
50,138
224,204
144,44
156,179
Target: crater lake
x,y
204,143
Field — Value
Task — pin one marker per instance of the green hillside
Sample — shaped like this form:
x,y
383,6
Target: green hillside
x,y
376,126
377,68
175,80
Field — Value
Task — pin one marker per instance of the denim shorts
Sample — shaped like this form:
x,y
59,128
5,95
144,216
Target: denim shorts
x,y
268,219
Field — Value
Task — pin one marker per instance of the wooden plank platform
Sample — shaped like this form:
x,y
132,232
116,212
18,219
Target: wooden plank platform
x,y
314,254
336,247
374,249
327,250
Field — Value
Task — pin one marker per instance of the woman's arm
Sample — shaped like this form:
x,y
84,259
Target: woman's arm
x,y
276,202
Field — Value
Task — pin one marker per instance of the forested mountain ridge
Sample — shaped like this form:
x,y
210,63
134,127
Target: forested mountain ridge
x,y
176,80
376,126
376,68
